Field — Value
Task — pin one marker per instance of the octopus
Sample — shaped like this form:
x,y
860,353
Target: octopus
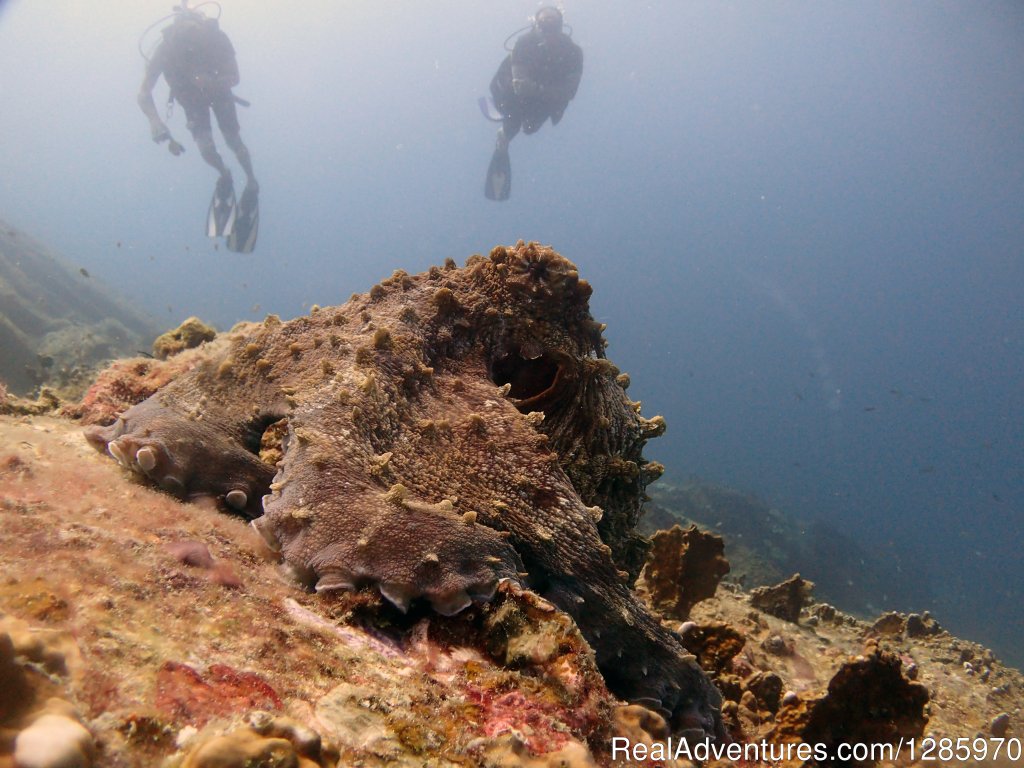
x,y
438,435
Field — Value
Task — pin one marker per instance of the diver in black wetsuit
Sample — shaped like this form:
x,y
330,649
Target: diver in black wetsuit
x,y
198,62
536,81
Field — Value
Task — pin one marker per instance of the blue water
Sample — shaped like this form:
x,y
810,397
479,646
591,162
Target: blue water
x,y
802,220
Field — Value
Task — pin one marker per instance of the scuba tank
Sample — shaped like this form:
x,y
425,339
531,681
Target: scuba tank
x,y
177,12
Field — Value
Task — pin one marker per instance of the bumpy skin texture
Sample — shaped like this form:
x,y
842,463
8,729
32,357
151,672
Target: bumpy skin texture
x,y
444,431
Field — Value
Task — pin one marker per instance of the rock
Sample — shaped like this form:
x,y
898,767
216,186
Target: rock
x,y
683,568
243,748
511,752
54,741
891,623
714,643
775,645
767,690
999,725
868,701
784,600
922,625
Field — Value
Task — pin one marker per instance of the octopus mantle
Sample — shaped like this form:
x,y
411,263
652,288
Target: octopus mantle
x,y
443,432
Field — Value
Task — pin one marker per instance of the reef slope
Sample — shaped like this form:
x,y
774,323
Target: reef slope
x,y
57,322
163,653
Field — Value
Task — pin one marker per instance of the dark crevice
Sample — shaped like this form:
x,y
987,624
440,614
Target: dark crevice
x,y
533,381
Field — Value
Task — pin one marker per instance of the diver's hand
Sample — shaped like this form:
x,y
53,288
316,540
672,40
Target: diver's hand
x,y
525,88
159,132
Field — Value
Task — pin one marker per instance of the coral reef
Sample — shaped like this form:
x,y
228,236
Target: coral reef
x,y
105,581
445,432
56,323
869,701
189,335
163,661
767,544
12,405
128,382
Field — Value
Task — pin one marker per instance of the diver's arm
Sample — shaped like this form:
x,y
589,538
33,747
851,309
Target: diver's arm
x,y
146,103
524,78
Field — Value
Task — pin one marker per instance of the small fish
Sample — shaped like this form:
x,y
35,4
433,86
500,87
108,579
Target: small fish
x,y
83,272
118,243
141,353
997,497
869,408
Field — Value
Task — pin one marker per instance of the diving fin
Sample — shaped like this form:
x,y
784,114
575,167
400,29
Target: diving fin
x,y
499,176
242,238
221,216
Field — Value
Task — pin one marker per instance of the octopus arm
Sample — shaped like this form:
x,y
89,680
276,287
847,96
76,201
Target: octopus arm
x,y
339,527
194,451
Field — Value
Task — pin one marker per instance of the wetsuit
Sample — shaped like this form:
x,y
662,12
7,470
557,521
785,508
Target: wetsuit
x,y
536,81
198,62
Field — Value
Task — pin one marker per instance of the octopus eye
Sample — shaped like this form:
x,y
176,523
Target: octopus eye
x,y
535,381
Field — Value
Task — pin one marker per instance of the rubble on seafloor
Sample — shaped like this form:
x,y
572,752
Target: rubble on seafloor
x,y
138,630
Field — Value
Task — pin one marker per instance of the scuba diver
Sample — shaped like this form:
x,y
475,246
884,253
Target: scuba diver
x,y
198,62
536,81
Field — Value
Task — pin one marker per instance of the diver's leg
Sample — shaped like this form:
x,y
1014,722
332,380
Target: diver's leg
x,y
242,153
227,120
509,128
209,153
534,115
200,127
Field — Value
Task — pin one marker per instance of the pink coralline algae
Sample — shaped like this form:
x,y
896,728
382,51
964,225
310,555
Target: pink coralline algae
x,y
184,694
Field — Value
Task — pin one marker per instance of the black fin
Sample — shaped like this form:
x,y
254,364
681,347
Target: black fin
x,y
242,238
499,176
221,217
